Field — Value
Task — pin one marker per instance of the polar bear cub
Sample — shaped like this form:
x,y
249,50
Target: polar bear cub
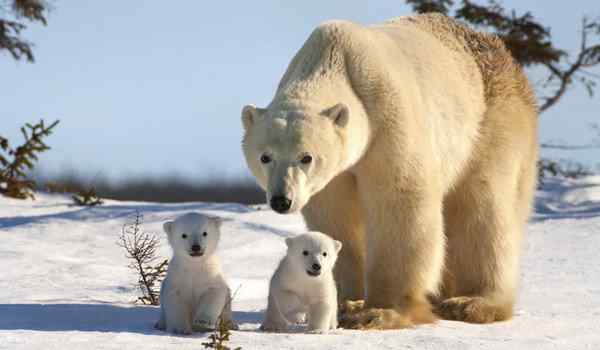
x,y
303,284
194,294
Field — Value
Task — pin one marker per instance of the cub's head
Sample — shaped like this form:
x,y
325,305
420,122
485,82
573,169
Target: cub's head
x,y
312,253
295,153
193,235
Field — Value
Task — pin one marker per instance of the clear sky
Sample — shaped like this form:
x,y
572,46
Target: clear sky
x,y
144,88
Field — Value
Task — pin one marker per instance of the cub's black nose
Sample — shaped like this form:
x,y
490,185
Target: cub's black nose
x,y
316,267
196,248
280,204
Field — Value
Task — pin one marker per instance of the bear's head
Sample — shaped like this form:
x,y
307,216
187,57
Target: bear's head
x,y
295,153
193,235
313,253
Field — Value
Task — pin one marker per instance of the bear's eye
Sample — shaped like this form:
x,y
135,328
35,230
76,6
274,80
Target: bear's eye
x,y
324,253
307,159
204,234
265,159
305,253
184,236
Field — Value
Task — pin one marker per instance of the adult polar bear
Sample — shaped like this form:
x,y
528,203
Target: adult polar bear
x,y
414,142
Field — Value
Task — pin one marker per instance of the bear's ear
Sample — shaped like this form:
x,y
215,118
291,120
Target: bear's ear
x,y
168,227
339,114
337,245
250,114
288,241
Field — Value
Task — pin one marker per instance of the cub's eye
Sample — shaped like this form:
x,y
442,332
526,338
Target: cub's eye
x,y
324,253
305,253
307,159
204,234
265,159
184,236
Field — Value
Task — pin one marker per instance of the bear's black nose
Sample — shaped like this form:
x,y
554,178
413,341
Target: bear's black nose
x,y
281,204
196,248
316,267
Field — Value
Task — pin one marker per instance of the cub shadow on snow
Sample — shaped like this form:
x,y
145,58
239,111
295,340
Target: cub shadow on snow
x,y
91,318
121,211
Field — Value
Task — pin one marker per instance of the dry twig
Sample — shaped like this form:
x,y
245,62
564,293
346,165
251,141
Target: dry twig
x,y
141,248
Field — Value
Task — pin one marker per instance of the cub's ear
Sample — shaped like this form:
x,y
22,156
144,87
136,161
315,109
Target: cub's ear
x,y
250,115
168,227
339,114
217,220
337,245
288,241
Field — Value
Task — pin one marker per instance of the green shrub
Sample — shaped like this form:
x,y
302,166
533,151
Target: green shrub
x,y
14,162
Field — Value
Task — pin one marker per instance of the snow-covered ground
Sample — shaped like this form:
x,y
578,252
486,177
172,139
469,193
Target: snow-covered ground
x,y
64,283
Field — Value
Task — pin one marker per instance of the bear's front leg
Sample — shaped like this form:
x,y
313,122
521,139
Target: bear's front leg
x,y
296,316
177,313
161,324
320,317
209,309
336,211
279,303
405,245
295,312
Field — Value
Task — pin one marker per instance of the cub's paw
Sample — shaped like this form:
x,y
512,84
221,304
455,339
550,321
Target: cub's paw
x,y
297,317
159,325
179,330
202,326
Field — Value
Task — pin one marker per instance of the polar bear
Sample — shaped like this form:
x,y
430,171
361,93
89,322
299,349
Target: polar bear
x,y
414,143
303,283
194,295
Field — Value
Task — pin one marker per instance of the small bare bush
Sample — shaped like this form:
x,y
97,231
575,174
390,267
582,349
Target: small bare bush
x,y
141,248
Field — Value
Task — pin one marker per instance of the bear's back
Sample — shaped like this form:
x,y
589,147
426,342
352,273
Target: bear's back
x,y
501,75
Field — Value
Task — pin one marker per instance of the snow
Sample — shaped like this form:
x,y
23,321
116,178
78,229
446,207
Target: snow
x,y
65,282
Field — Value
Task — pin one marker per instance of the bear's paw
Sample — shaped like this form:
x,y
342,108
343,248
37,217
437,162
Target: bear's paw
x,y
354,315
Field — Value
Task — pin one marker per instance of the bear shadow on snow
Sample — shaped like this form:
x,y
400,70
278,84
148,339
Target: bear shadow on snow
x,y
91,318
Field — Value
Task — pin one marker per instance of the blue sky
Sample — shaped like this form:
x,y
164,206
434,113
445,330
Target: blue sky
x,y
142,88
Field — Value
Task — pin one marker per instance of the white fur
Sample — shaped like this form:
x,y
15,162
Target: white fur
x,y
293,292
422,135
194,294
